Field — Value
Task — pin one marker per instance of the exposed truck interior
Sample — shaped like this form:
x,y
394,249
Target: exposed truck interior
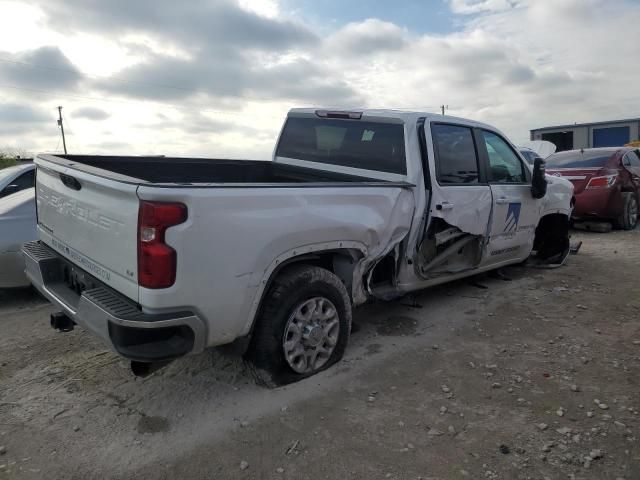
x,y
204,170
447,249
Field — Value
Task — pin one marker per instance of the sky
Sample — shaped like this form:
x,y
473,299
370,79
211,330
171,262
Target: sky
x,y
215,78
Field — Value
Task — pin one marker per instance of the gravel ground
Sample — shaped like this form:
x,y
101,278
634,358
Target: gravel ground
x,y
533,378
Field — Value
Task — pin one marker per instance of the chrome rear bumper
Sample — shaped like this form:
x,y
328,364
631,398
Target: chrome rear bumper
x,y
113,318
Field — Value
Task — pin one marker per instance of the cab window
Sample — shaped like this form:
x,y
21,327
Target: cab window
x,y
455,155
504,165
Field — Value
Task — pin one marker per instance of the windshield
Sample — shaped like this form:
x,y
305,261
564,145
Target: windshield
x,y
579,159
349,143
529,155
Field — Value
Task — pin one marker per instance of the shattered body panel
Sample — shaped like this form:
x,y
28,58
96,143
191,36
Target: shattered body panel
x,y
469,207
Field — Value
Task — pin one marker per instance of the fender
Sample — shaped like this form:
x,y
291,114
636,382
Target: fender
x,y
558,198
302,251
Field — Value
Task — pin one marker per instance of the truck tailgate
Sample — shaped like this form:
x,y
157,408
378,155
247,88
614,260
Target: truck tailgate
x,y
92,221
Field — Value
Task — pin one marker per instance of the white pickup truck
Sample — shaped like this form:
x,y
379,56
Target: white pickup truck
x,y
164,257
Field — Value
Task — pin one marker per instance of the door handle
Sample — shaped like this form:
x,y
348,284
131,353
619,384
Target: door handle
x,y
70,182
502,200
444,206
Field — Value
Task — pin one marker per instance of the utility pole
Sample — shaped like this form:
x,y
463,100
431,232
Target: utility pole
x,y
443,107
64,143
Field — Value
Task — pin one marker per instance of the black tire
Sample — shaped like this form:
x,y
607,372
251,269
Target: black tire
x,y
629,218
292,288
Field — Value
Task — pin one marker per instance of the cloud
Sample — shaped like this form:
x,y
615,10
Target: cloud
x,y
43,68
467,7
304,81
168,78
210,51
194,123
266,8
19,113
110,146
90,113
207,22
367,37
224,72
21,119
542,62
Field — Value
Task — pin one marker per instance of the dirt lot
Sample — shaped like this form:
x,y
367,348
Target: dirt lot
x,y
534,378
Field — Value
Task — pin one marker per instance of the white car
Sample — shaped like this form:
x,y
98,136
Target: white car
x,y
17,226
16,178
161,257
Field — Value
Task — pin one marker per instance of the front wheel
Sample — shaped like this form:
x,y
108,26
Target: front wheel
x,y
304,324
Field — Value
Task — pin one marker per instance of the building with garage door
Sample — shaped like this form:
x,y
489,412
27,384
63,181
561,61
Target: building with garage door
x,y
615,133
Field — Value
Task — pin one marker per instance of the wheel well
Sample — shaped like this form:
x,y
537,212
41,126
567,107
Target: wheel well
x,y
552,235
631,190
341,262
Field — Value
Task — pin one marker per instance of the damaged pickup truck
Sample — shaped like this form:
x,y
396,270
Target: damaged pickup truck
x,y
164,257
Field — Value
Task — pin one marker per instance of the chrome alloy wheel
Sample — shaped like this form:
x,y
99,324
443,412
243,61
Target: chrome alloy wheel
x,y
311,335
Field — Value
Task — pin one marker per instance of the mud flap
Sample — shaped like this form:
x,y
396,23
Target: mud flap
x,y
553,262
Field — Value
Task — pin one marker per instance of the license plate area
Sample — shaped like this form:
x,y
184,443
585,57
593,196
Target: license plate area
x,y
76,279
67,281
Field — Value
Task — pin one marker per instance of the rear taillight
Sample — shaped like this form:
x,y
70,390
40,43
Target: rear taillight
x,y
157,260
602,182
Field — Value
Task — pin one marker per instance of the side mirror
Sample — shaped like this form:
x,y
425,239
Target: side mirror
x,y
538,182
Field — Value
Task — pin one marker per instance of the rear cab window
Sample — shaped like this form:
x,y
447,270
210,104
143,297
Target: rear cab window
x,y
358,144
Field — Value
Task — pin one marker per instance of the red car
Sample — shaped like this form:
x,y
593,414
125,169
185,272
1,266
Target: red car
x,y
606,183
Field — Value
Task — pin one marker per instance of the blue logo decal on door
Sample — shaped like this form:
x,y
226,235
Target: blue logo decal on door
x,y
513,217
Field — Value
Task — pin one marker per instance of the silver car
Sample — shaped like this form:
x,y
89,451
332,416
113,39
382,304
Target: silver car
x,y
17,226
16,178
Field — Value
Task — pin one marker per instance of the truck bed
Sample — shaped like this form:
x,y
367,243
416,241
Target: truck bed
x,y
177,170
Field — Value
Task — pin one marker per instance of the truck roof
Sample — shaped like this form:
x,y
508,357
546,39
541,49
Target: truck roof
x,y
406,116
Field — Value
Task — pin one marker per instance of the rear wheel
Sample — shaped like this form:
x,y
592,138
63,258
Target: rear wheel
x,y
303,327
629,218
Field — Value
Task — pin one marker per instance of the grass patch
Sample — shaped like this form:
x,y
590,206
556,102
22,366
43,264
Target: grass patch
x,y
6,161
